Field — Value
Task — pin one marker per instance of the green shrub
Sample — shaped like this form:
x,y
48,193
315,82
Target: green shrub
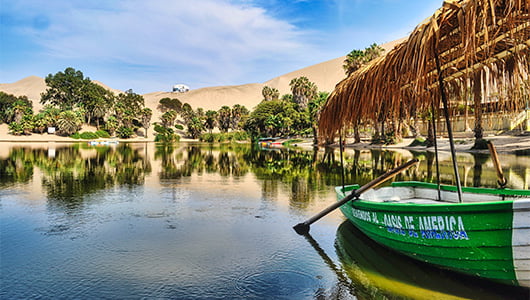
x,y
76,136
103,134
124,132
223,137
165,135
88,135
16,128
207,137
241,136
167,138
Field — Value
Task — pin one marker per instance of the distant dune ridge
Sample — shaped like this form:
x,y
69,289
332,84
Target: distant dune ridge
x,y
325,75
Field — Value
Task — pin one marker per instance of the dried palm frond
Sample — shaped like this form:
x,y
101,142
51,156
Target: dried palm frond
x,y
481,44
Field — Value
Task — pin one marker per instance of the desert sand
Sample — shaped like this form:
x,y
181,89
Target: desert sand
x,y
325,75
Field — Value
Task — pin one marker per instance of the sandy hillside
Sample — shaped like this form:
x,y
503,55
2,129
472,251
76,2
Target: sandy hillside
x,y
115,91
210,98
31,87
325,75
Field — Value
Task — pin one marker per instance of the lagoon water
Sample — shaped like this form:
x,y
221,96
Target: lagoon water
x,y
196,221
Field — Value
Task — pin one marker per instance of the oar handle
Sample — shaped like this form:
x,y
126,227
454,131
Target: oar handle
x,y
303,228
501,179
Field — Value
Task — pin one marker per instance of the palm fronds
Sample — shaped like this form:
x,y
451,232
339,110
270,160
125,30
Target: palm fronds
x,y
483,45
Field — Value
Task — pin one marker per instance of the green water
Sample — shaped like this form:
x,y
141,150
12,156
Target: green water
x,y
196,221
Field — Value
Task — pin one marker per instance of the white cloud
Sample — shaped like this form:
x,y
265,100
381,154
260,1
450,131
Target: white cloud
x,y
196,39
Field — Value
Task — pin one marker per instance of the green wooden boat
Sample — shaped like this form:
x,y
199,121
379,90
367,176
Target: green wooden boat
x,y
487,235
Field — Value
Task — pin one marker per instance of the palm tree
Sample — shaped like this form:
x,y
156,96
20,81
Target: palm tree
x,y
303,91
273,124
239,113
68,122
51,114
354,60
211,120
133,102
195,127
187,112
112,125
357,58
40,123
269,93
28,124
99,112
145,118
314,111
373,52
223,118
19,109
168,118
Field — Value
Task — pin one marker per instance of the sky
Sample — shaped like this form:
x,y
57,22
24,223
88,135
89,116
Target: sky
x,y
150,46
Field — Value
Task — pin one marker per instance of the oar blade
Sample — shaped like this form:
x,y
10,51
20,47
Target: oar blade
x,y
301,228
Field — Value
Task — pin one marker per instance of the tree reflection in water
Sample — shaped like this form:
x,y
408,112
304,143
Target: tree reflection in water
x,y
71,173
18,167
67,176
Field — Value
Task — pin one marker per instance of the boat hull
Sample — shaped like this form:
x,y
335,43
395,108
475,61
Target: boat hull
x,y
486,239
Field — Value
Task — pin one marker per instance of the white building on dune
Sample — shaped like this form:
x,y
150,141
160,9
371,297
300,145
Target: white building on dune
x,y
181,88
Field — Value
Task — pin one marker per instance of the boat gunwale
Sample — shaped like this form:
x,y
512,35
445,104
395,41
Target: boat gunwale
x,y
452,188
489,205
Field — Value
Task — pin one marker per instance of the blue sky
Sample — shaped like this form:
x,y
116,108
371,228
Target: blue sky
x,y
150,45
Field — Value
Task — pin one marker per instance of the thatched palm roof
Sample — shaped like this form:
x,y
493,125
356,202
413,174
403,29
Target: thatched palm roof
x,y
480,43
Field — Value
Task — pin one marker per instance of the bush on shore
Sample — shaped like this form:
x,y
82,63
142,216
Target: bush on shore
x,y
88,135
221,137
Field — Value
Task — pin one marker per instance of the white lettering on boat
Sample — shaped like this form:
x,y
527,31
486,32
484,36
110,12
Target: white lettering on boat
x,y
424,227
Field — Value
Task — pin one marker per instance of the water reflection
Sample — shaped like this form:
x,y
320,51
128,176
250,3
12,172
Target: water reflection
x,y
76,170
379,273
187,219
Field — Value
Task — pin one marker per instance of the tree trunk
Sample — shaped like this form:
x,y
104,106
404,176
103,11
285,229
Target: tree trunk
x,y
315,135
414,127
356,134
477,97
430,134
377,135
398,126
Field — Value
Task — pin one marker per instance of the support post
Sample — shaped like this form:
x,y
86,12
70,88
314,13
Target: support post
x,y
447,120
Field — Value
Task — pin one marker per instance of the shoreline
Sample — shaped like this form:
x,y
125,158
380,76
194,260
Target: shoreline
x,y
504,143
5,137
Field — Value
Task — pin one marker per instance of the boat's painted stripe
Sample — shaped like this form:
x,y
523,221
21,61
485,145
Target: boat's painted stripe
x,y
521,240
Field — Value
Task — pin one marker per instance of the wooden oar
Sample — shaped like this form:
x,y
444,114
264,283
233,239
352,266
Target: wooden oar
x,y
502,180
303,228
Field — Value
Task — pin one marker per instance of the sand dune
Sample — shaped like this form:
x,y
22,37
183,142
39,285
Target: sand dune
x,y
33,86
115,91
30,87
325,75
210,98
